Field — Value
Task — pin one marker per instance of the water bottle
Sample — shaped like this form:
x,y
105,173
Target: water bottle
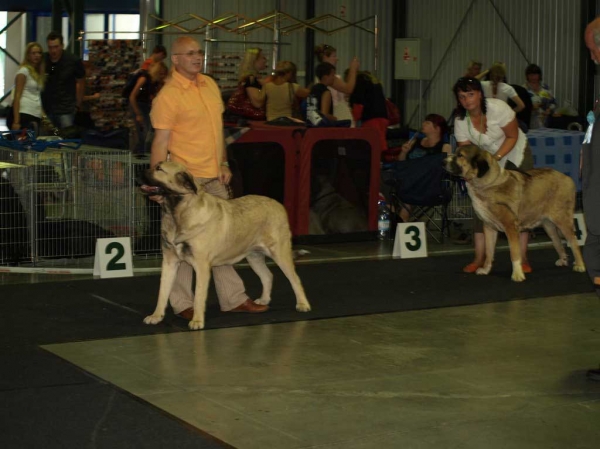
x,y
383,220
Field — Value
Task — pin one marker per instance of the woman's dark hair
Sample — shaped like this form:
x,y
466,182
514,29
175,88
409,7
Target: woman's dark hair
x,y
438,121
533,69
324,69
466,85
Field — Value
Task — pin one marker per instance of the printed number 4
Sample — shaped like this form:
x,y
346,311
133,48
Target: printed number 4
x,y
415,237
578,232
113,264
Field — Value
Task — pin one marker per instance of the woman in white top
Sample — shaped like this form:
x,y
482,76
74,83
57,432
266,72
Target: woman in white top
x,y
491,125
497,88
29,82
282,90
340,89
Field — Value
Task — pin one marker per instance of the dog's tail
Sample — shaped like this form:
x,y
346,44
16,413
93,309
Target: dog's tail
x,y
297,253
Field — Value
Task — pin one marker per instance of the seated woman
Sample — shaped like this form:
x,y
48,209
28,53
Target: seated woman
x,y
434,128
282,91
542,98
249,76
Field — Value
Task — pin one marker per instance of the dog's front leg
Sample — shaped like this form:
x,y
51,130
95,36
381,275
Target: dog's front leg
x,y
170,265
490,235
200,294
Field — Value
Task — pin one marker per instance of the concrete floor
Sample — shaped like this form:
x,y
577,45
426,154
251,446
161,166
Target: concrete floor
x,y
504,375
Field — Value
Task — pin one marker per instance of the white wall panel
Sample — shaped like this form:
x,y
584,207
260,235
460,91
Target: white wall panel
x,y
545,32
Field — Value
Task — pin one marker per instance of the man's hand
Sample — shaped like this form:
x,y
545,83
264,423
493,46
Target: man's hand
x,y
225,175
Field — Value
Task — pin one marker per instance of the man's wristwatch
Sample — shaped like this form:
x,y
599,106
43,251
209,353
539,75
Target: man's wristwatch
x,y
225,164
498,156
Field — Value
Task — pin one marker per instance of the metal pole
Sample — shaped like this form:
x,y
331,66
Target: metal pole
x,y
376,55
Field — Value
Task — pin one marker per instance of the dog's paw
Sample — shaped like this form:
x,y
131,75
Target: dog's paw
x,y
561,263
262,301
579,268
483,270
303,307
518,277
153,319
196,325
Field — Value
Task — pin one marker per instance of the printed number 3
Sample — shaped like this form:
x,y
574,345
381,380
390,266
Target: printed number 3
x,y
415,238
113,264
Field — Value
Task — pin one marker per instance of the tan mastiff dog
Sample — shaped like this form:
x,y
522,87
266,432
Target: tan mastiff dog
x,y
512,201
206,231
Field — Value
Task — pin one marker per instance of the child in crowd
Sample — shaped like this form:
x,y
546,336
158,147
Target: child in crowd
x,y
319,99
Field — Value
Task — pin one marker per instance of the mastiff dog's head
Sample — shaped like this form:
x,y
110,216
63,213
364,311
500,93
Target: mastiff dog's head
x,y
168,178
472,164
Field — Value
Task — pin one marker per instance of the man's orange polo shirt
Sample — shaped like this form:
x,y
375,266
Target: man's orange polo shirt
x,y
193,114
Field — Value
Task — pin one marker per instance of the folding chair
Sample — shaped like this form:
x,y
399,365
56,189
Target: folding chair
x,y
424,185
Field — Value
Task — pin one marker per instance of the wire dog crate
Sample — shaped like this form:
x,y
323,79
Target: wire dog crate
x,y
56,203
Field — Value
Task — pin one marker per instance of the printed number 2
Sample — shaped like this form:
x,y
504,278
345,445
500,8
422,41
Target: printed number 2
x,y
415,238
113,264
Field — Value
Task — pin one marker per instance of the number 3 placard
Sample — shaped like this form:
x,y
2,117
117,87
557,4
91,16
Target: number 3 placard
x,y
410,241
113,258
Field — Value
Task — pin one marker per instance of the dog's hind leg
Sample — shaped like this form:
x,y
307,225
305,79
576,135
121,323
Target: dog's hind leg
x,y
256,261
550,228
170,265
283,256
566,227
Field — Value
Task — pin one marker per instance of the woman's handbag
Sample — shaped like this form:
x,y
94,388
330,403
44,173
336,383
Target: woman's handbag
x,y
239,104
393,112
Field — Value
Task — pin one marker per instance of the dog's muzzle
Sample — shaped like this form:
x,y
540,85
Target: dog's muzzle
x,y
151,190
451,166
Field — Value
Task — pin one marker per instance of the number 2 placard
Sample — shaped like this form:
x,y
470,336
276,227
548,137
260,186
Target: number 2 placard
x,y
113,258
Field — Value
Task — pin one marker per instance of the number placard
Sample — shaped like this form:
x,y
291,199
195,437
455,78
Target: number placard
x,y
113,258
410,241
580,229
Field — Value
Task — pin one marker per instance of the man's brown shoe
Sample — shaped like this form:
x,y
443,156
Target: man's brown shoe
x,y
249,306
186,314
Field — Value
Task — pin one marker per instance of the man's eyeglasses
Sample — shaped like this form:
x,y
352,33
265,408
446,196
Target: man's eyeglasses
x,y
192,53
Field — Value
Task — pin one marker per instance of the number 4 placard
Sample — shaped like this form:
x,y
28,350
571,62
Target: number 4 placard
x,y
410,241
580,229
113,258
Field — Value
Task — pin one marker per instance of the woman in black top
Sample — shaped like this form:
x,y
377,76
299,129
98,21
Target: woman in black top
x,y
140,101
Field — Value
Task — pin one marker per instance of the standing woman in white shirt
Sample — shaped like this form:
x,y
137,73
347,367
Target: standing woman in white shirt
x,y
490,124
29,82
340,90
496,87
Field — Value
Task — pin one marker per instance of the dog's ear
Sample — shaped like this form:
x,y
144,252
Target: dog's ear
x,y
481,164
187,181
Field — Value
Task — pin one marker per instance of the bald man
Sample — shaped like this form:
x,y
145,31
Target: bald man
x,y
187,118
591,181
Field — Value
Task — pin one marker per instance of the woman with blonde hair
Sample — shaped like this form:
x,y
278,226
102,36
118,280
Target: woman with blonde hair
x,y
497,87
249,75
282,90
29,81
